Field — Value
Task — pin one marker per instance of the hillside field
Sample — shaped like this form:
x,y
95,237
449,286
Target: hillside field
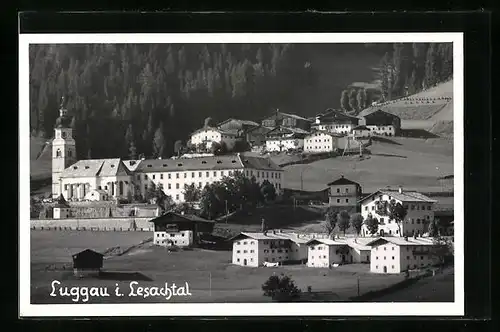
x,y
210,274
412,163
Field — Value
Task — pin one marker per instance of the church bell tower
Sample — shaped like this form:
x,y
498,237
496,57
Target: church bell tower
x,y
63,149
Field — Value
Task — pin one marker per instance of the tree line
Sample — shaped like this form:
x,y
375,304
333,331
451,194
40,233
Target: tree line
x,y
155,94
405,69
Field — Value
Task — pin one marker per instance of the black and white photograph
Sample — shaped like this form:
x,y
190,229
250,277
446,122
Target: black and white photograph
x,y
247,174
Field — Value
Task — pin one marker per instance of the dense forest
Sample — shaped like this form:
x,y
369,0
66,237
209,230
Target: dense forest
x,y
131,99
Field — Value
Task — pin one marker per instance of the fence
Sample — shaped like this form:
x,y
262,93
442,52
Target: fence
x,y
99,224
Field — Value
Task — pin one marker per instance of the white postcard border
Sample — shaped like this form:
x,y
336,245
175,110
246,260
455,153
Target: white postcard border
x,y
26,309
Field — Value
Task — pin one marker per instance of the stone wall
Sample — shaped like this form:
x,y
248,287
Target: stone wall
x,y
101,224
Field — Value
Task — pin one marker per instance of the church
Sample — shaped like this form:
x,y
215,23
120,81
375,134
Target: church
x,y
115,179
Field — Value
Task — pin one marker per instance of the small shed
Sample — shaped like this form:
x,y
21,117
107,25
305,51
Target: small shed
x,y
62,209
87,263
97,195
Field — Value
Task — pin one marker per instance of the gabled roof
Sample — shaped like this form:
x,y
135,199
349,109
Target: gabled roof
x,y
373,111
86,252
96,167
243,122
328,242
361,128
342,181
324,132
225,132
259,163
401,241
332,115
294,116
131,164
404,196
269,235
287,131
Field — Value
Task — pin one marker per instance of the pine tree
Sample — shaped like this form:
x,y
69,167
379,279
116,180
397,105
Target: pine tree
x,y
361,99
353,102
344,101
159,142
431,67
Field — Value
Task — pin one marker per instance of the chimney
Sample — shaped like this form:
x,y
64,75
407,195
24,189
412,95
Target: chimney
x,y
400,189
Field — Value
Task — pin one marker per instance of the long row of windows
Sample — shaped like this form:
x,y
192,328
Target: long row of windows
x,y
258,174
410,207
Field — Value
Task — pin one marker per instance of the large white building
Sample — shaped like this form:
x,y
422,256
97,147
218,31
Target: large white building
x,y
325,252
174,175
321,141
420,211
399,254
114,179
209,135
335,121
253,249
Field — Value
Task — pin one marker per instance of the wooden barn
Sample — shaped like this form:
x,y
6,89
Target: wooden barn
x,y
87,263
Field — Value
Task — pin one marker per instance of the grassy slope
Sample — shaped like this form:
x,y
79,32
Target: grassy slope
x,y
40,158
414,164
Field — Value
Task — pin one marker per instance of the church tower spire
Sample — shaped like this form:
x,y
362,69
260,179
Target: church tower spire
x,y
63,148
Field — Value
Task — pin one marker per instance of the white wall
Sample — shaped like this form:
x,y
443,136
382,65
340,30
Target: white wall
x,y
323,255
61,213
180,239
416,214
318,142
336,128
384,130
360,256
343,195
246,251
362,133
283,144
386,255
412,260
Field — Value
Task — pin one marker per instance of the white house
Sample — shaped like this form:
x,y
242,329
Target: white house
x,y
282,139
335,121
361,131
399,254
253,249
174,174
344,193
381,123
325,252
320,141
180,230
208,135
419,208
360,251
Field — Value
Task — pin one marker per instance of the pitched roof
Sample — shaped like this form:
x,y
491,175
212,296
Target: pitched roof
x,y
401,241
233,161
269,235
287,130
294,116
225,132
342,181
361,128
328,242
314,133
243,122
404,196
359,243
131,164
87,252
332,115
96,167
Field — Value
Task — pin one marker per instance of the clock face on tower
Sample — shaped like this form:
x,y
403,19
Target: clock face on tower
x,y
63,134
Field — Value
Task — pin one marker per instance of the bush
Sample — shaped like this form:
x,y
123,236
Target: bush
x,y
280,288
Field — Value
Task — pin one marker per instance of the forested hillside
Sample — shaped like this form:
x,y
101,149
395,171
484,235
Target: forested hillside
x,y
131,99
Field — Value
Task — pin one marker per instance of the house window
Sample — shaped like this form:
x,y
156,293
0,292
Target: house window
x,y
145,187
252,251
376,257
177,196
347,200
199,184
185,175
169,186
429,207
161,176
338,200
366,208
169,176
153,176
176,175
392,257
245,251
237,259
238,251
145,176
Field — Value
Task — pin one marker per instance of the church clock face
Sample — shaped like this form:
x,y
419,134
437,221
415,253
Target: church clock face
x,y
63,134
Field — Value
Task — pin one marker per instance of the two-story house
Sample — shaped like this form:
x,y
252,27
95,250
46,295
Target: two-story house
x,y
335,121
344,193
382,123
285,138
279,118
419,212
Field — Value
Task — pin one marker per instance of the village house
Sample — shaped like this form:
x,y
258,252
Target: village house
x,y
382,123
62,210
399,254
361,132
87,263
325,252
360,251
180,230
321,141
283,139
344,193
253,249
280,119
174,175
256,137
335,121
208,135
420,211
